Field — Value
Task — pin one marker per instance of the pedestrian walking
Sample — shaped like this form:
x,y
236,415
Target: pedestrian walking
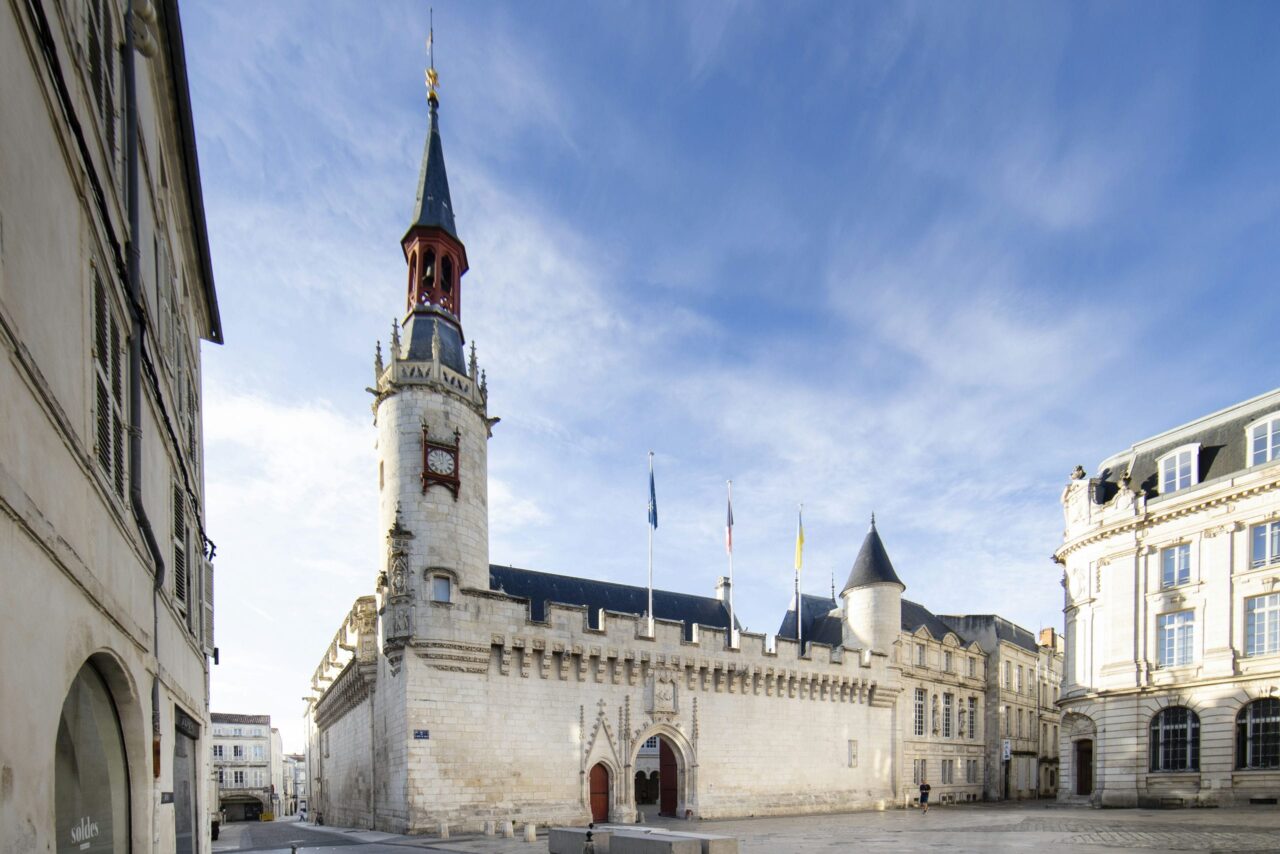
x,y
924,797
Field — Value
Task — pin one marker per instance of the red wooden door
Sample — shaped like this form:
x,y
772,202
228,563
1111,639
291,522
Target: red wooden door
x,y
667,778
599,793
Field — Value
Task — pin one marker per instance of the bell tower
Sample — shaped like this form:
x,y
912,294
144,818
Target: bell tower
x,y
431,412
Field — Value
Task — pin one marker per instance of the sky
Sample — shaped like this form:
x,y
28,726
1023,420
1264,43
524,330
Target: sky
x,y
919,260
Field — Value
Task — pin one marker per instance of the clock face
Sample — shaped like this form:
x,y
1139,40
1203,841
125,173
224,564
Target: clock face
x,y
440,462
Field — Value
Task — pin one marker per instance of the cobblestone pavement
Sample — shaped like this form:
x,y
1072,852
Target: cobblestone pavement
x,y
976,828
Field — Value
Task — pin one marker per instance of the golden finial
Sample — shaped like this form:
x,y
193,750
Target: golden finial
x,y
433,79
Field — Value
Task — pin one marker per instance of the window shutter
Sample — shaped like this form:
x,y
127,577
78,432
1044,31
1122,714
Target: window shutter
x,y
108,89
179,546
104,427
208,607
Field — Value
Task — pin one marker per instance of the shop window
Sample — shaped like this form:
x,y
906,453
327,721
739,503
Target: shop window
x,y
91,779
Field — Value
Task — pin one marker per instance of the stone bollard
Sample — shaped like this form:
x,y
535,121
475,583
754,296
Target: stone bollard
x,y
509,829
589,847
489,828
530,832
444,830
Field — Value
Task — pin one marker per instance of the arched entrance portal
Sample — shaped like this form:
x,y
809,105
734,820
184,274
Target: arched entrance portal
x,y
662,784
599,792
668,774
91,776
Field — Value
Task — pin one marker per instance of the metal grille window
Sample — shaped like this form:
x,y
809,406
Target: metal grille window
x,y
1175,638
1258,734
1262,624
1266,544
948,701
1175,740
1175,565
108,367
919,712
973,717
1264,442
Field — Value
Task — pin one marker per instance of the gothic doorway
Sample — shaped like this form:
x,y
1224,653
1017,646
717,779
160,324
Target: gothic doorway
x,y
1084,766
668,778
599,784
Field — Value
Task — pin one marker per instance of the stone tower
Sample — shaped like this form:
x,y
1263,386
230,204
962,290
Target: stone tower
x,y
430,410
872,598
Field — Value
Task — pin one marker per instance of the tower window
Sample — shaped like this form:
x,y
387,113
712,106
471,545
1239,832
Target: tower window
x,y
440,588
446,278
427,276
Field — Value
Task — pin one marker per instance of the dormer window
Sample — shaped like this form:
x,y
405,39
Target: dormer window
x,y
1264,440
1180,469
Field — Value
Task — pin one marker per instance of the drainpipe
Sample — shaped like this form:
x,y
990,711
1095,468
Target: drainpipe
x,y
133,266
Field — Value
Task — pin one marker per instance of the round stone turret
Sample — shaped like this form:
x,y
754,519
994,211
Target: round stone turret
x,y
872,598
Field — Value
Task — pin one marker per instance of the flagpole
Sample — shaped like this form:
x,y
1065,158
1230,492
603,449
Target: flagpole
x,y
799,560
733,632
653,514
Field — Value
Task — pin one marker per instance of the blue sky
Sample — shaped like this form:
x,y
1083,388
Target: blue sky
x,y
916,259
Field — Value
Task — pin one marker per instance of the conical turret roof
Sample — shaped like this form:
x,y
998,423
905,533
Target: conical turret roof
x,y
434,207
872,566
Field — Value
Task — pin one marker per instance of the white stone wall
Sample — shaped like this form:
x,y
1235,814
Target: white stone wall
x,y
1112,580
76,573
872,616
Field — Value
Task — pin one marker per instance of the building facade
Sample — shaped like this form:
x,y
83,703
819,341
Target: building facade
x,y
1171,559
106,292
242,753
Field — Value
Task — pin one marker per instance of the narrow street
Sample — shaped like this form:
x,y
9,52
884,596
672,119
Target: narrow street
x,y
275,836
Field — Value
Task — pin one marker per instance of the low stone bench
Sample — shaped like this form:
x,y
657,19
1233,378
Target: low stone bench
x,y
711,843
653,843
569,840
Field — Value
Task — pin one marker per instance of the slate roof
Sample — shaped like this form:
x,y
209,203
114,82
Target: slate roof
x,y
543,587
872,565
417,336
433,206
227,718
977,624
821,627
1224,449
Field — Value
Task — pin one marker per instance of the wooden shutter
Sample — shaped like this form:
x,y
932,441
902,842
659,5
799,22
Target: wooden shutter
x,y
179,546
208,607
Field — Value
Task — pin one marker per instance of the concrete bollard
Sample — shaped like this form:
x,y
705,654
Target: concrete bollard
x,y
530,832
509,829
489,828
444,830
589,846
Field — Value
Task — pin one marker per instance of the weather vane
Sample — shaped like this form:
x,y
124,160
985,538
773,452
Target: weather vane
x,y
433,79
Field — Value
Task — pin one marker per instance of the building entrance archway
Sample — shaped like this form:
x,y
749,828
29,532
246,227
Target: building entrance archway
x,y
1084,766
91,775
599,787
663,774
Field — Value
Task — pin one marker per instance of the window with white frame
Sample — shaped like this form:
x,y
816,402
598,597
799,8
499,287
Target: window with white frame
x,y
237,751
1262,624
1175,565
948,705
237,779
1258,734
257,752
973,717
1179,469
440,588
1004,682
946,660
1175,638
920,655
108,359
948,770
1264,440
1265,541
1017,680
919,712
919,767
973,667
217,751
1175,740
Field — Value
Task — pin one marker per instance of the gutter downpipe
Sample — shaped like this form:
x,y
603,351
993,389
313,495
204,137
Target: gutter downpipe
x,y
133,268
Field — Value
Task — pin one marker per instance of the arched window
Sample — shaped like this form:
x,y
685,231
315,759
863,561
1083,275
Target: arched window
x,y
446,278
91,779
1175,740
427,276
1258,734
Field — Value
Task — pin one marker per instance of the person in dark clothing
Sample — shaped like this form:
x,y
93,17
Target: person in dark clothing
x,y
924,797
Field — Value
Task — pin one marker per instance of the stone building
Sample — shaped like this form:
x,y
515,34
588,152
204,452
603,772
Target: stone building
x,y
106,292
1171,560
242,754
1021,691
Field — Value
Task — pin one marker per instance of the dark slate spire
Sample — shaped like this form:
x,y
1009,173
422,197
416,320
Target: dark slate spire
x,y
434,207
872,565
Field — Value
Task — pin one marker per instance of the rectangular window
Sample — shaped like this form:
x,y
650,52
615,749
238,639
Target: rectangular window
x,y
238,779
1262,624
919,712
221,779
973,667
1019,723
853,753
217,751
946,660
1266,544
948,702
257,752
1178,470
180,547
102,69
237,751
1004,682
1017,680
947,767
973,717
1265,442
1175,565
920,654
1008,720
919,771
440,588
1176,638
